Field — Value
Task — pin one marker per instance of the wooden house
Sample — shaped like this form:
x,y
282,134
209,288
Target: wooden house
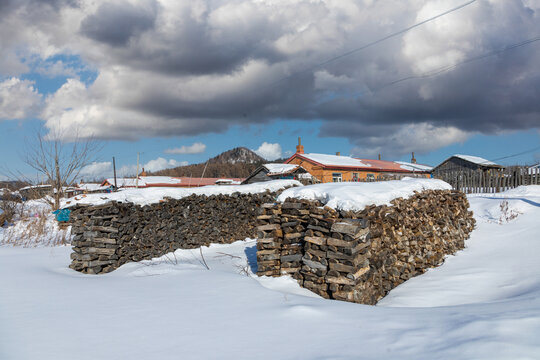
x,y
267,172
465,164
337,168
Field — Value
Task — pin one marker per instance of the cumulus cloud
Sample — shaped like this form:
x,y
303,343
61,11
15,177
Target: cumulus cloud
x,y
420,138
170,68
18,99
196,148
97,171
269,151
162,163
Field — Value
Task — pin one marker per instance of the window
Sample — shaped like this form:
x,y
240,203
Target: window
x,y
370,177
354,176
336,177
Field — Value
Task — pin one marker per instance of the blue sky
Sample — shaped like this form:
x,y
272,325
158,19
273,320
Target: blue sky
x,y
208,79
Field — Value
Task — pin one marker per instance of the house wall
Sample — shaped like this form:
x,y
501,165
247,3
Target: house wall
x,y
326,175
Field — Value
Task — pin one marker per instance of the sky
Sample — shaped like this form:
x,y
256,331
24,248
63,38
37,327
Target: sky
x,y
181,81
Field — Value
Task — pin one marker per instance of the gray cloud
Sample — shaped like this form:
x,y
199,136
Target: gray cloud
x,y
114,23
193,67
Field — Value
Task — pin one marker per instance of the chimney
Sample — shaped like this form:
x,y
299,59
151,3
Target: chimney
x,y
379,156
413,160
338,153
299,147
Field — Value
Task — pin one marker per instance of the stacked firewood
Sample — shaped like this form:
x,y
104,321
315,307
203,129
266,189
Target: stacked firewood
x,y
348,258
109,235
360,256
269,236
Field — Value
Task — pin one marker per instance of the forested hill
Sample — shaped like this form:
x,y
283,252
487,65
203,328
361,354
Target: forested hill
x,y
236,163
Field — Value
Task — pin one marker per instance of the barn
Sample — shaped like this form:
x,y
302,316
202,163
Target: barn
x,y
465,164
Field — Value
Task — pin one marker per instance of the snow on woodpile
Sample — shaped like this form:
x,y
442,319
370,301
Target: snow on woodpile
x,y
356,196
154,195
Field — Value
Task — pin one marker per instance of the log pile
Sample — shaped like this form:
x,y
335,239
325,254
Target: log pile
x,y
109,235
360,256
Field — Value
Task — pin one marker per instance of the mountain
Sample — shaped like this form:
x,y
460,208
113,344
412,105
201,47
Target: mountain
x,y
237,155
236,163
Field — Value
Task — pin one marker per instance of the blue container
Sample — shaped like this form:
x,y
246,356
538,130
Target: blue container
x,y
62,215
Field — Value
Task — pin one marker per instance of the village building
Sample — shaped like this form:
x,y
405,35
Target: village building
x,y
168,181
465,164
267,172
35,191
337,168
90,188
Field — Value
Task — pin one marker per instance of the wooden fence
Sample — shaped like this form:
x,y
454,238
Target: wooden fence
x,y
492,182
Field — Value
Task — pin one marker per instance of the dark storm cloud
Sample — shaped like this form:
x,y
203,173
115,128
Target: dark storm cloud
x,y
114,23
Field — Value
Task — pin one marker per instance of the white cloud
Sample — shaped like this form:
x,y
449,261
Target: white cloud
x,y
100,170
420,138
18,99
161,163
269,151
196,148
96,171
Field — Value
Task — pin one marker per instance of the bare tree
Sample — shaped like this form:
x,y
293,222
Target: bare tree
x,y
60,161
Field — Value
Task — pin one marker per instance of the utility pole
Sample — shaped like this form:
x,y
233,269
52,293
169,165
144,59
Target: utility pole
x,y
114,169
137,175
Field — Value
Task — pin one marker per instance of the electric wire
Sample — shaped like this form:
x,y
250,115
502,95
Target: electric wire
x,y
375,42
466,61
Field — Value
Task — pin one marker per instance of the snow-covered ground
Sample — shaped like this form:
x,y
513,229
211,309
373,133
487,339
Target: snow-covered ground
x,y
483,303
34,225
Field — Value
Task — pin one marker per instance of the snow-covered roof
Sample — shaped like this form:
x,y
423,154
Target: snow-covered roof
x,y
121,182
36,187
356,196
475,159
414,167
335,160
151,180
92,187
145,181
228,182
276,169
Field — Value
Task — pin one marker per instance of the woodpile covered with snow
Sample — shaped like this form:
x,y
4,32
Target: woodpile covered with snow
x,y
114,233
360,255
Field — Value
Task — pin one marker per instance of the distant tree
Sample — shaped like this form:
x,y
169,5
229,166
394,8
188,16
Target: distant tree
x,y
60,161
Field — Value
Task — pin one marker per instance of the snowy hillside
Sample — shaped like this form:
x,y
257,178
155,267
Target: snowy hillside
x,y
483,303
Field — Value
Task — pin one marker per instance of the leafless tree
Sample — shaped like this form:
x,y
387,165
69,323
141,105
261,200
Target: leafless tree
x,y
60,161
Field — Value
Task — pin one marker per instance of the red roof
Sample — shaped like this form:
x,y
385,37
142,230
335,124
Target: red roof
x,y
197,181
373,165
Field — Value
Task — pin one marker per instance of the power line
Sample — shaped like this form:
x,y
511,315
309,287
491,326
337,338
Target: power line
x,y
466,61
353,51
514,155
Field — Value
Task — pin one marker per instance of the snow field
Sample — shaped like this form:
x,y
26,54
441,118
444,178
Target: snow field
x,y
483,303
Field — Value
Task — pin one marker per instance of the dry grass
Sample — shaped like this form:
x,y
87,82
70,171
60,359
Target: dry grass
x,y
40,229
